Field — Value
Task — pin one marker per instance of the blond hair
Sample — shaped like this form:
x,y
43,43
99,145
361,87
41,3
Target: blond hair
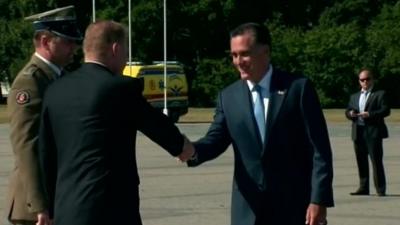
x,y
99,36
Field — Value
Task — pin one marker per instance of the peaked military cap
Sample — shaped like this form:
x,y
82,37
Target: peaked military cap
x,y
60,21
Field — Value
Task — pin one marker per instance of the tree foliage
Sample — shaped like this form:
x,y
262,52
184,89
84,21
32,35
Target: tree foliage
x,y
383,52
326,40
331,68
219,72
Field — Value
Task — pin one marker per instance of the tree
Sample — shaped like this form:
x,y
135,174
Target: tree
x,y
16,48
287,45
16,33
212,76
383,52
326,40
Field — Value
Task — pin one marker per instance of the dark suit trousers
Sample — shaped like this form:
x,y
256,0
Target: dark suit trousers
x,y
270,213
363,147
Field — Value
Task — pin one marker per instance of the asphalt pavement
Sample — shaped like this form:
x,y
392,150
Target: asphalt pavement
x,y
172,194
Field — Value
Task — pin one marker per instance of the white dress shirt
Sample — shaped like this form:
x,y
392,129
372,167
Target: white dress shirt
x,y
264,83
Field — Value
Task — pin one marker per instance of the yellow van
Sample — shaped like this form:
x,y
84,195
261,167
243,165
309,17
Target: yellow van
x,y
153,76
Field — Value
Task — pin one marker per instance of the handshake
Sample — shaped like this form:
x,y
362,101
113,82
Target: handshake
x,y
188,150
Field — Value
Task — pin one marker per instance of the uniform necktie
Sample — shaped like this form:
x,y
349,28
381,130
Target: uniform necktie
x,y
259,112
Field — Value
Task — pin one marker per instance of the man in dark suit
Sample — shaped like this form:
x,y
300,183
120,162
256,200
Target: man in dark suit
x,y
283,160
54,40
88,132
367,110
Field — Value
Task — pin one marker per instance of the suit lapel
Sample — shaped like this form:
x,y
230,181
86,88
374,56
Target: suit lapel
x,y
277,95
356,100
244,96
369,99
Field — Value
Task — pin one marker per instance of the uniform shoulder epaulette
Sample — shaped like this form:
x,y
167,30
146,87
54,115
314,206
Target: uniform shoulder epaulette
x,y
31,69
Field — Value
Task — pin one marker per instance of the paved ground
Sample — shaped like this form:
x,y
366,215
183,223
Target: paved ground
x,y
175,195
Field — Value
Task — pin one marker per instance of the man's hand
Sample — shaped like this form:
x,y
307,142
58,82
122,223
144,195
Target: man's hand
x,y
363,114
353,113
43,219
188,150
316,215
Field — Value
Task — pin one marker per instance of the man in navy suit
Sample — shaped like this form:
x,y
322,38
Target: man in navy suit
x,y
367,110
283,161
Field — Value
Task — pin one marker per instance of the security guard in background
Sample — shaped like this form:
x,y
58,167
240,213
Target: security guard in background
x,y
55,41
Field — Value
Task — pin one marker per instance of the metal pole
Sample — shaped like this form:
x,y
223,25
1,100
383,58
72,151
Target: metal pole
x,y
165,111
130,38
94,11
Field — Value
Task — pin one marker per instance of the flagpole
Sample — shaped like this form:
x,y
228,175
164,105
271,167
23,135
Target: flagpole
x,y
130,37
94,11
165,111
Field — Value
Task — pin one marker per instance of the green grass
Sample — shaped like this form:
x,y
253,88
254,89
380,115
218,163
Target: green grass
x,y
200,115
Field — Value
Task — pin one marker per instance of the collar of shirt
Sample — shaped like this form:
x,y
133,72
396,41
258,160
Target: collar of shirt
x,y
55,68
101,65
265,82
96,62
366,91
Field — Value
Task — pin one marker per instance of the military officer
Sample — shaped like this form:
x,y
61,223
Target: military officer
x,y
55,41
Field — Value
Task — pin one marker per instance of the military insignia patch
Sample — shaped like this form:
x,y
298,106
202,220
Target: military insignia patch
x,y
22,97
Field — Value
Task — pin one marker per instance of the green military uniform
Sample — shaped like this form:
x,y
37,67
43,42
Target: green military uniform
x,y
26,196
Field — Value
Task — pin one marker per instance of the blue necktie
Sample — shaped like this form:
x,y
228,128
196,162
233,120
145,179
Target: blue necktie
x,y
259,115
259,112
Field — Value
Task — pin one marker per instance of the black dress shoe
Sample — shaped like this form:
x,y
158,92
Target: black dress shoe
x,y
360,192
381,194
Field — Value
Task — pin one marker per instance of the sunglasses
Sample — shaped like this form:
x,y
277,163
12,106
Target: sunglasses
x,y
365,79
